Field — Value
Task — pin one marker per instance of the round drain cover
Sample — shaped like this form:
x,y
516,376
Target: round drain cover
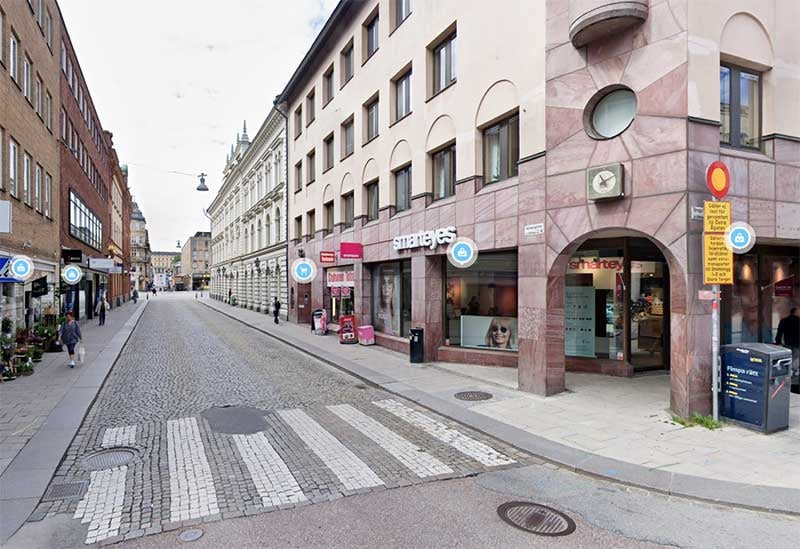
x,y
536,519
473,395
109,458
192,534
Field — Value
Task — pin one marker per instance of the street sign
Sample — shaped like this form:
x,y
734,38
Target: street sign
x,y
740,238
71,256
21,267
705,295
718,179
303,270
717,260
716,216
101,263
327,257
39,287
351,250
462,253
533,230
71,274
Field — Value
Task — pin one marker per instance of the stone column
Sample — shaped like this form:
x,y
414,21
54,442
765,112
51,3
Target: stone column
x,y
426,300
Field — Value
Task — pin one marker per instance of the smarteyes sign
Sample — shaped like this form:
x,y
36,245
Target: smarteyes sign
x,y
462,253
303,270
423,239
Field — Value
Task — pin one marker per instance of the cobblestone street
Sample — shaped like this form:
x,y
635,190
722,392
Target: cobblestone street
x,y
226,422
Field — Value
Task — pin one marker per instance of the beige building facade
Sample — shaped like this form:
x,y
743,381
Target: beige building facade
x,y
141,262
568,142
196,261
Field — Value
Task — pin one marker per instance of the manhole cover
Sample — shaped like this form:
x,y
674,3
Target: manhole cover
x,y
108,459
192,534
536,519
235,420
69,490
473,395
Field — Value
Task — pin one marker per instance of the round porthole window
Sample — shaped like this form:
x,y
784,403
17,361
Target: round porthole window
x,y
611,113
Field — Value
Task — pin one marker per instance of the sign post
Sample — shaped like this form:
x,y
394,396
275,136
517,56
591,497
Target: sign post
x,y
717,260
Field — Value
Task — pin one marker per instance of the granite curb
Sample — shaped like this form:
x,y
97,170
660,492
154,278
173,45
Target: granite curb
x,y
27,477
748,496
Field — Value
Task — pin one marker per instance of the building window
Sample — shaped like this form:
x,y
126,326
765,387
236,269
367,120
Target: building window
x,y
328,158
298,122
13,166
391,298
83,224
346,65
26,77
328,211
372,200
327,86
371,36
38,103
740,107
48,29
311,223
348,209
372,120
501,150
402,186
444,172
48,110
348,137
310,112
311,167
339,291
13,57
444,64
402,89
48,189
402,9
267,232
481,303
298,176
26,178
37,189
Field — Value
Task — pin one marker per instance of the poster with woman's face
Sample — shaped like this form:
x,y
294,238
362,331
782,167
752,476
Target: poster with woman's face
x,y
387,296
493,332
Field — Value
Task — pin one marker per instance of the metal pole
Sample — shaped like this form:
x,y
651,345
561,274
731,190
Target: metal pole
x,y
715,351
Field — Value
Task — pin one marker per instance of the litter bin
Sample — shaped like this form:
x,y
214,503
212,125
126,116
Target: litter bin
x,y
417,345
319,321
756,379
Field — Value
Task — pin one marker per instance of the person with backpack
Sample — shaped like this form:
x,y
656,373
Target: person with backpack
x,y
276,309
70,335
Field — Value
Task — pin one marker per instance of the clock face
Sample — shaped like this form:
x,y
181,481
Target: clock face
x,y
604,182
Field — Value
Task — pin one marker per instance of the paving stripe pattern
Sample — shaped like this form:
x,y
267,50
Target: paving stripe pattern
x,y
353,473
101,506
192,491
475,449
119,436
275,483
412,456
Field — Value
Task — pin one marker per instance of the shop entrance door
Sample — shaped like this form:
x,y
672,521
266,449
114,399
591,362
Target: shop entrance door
x,y
648,291
304,303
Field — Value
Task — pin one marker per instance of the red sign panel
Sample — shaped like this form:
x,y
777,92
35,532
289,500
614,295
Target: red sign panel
x,y
327,257
351,250
336,291
718,179
785,287
345,291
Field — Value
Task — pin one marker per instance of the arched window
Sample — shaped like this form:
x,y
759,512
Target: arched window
x,y
252,238
260,242
268,235
268,174
245,240
278,236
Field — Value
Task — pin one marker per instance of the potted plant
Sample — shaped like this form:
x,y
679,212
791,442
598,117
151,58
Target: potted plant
x,y
25,369
36,353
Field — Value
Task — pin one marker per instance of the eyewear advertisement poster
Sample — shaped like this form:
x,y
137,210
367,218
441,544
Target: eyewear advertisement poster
x,y
579,321
494,332
387,304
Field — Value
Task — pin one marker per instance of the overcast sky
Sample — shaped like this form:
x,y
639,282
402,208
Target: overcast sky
x,y
174,79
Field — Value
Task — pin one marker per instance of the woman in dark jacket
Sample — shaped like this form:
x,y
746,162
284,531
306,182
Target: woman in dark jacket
x,y
71,336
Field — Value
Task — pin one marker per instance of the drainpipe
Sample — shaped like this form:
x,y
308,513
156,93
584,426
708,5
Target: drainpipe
x,y
285,116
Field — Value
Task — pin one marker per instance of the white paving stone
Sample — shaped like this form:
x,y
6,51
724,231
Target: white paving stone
x,y
412,456
192,491
351,471
275,483
119,436
477,450
101,507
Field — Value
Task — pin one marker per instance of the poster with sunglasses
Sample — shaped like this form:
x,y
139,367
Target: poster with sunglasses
x,y
489,332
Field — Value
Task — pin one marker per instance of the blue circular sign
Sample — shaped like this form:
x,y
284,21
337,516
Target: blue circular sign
x,y
303,270
462,253
740,238
21,267
71,274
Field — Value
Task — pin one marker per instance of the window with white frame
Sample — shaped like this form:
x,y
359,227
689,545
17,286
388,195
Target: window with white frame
x,y
501,150
402,9
27,167
267,231
13,57
48,189
13,166
348,137
402,187
372,206
372,120
37,188
348,209
444,172
48,110
38,101
371,31
27,67
444,63
402,88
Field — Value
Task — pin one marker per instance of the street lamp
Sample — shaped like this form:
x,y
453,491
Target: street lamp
x,y
202,185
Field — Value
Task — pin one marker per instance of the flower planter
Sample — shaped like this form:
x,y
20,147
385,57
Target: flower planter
x,y
26,373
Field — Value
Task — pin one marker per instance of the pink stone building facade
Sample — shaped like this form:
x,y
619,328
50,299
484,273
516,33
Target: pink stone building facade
x,y
564,280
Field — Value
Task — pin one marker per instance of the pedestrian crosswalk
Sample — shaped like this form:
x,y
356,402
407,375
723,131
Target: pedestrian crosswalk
x,y
395,438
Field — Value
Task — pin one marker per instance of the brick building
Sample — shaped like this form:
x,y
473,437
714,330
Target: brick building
x,y
29,174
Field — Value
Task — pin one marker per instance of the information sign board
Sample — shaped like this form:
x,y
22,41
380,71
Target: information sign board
x,y
716,216
717,260
743,378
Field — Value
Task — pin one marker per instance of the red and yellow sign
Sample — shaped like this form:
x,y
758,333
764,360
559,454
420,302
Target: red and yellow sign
x,y
717,260
718,179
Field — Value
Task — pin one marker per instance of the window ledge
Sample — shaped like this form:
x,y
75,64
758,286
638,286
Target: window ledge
x,y
443,201
402,213
341,87
310,122
298,190
345,157
749,154
326,103
371,139
326,170
400,24
370,56
440,92
498,185
409,113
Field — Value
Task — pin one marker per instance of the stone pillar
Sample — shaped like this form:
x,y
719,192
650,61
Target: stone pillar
x,y
427,300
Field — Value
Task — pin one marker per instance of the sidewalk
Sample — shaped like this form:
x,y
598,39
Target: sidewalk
x,y
40,414
616,428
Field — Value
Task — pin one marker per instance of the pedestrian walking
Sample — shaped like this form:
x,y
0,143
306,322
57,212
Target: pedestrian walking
x,y
789,336
101,308
135,296
70,335
276,309
230,291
